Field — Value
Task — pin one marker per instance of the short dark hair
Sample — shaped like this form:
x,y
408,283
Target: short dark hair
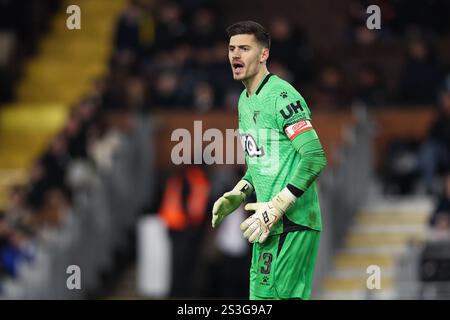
x,y
250,27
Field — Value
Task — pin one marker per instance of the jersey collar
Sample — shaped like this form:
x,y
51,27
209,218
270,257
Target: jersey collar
x,y
262,84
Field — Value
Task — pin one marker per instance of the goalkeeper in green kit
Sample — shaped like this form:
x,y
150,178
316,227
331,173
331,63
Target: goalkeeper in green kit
x,y
284,157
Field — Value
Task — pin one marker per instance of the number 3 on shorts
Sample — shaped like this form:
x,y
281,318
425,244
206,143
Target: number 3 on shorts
x,y
267,257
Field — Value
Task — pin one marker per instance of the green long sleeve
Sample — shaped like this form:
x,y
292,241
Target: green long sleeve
x,y
312,162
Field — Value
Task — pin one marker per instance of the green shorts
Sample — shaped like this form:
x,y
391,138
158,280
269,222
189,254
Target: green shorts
x,y
283,266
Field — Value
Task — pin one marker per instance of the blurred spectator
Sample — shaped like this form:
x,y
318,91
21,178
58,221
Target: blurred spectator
x,y
103,147
202,60
8,72
329,91
359,33
122,64
97,90
175,68
231,99
21,26
38,185
127,31
289,46
55,162
88,113
400,167
27,20
283,42
173,60
136,94
204,26
17,214
76,137
147,27
420,75
54,208
440,219
280,70
370,88
4,231
166,92
204,97
183,209
182,54
220,70
364,36
435,152
428,15
171,28
15,248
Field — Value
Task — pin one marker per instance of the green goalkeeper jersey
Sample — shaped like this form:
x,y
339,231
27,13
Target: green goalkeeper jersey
x,y
269,120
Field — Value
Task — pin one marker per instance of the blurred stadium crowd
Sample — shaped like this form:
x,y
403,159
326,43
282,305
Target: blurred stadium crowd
x,y
173,56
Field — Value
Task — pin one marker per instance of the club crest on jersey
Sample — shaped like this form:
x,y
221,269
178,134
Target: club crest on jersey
x,y
255,114
250,146
291,109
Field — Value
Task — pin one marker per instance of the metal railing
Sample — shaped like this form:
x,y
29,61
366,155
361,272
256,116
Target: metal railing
x,y
422,271
343,189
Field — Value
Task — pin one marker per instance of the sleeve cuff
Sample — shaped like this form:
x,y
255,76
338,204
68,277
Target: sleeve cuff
x,y
295,191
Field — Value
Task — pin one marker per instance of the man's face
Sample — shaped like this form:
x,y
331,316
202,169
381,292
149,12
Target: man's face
x,y
246,56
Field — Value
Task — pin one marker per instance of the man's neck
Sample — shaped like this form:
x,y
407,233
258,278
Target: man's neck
x,y
252,83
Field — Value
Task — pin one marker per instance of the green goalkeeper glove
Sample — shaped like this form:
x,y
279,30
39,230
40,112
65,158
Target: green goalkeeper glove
x,y
257,227
230,201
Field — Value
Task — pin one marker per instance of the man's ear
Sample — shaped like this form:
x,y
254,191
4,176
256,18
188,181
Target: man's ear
x,y
264,55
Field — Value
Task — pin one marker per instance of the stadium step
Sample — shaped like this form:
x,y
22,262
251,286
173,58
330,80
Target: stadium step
x,y
379,234
59,75
38,118
25,131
